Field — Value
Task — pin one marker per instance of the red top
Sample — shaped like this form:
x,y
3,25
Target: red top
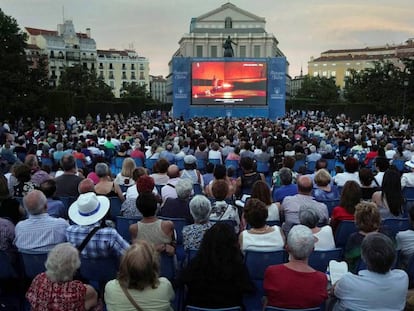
x,y
136,153
339,213
45,295
287,288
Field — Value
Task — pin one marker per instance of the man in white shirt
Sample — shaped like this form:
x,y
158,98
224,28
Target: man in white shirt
x,y
168,191
407,179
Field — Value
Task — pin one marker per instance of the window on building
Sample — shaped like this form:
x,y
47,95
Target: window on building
x,y
242,51
199,51
124,75
347,73
315,74
333,73
111,75
112,84
60,55
53,76
214,51
132,66
228,23
133,75
100,65
123,67
85,65
324,74
92,66
110,66
256,51
141,75
52,54
141,66
324,65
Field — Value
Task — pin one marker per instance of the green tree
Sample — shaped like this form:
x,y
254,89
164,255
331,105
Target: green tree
x,y
133,89
82,82
320,89
13,64
381,86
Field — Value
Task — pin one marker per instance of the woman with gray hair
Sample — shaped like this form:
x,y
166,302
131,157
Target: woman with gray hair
x,y
55,289
200,209
179,207
106,186
309,216
296,285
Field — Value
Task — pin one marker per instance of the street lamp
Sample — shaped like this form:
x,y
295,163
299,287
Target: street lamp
x,y
405,96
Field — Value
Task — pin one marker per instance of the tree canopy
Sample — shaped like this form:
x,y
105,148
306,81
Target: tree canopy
x,y
319,89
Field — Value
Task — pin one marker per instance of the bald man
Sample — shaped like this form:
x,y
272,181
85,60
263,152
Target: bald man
x,y
40,232
168,191
291,204
86,185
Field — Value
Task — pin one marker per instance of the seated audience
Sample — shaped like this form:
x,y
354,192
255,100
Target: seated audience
x,y
124,178
56,289
88,213
160,170
150,228
217,268
40,232
261,191
249,175
295,284
200,209
378,287
286,188
106,186
368,183
350,197
138,279
390,199
67,183
405,241
178,207
407,179
220,173
260,236
24,184
55,208
309,217
168,191
351,172
324,189
190,170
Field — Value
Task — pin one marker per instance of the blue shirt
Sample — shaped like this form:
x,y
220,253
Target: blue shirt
x,y
280,193
105,242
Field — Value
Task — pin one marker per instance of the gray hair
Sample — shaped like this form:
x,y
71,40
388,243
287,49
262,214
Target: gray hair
x,y
35,202
200,208
59,146
101,169
309,216
62,263
285,175
300,242
378,251
184,188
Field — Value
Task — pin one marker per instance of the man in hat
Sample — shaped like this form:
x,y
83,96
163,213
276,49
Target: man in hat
x,y
40,232
88,212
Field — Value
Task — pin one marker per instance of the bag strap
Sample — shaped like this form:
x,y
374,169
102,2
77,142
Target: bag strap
x,y
131,300
88,237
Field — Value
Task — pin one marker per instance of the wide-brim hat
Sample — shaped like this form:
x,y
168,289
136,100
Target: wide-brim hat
x,y
410,163
88,209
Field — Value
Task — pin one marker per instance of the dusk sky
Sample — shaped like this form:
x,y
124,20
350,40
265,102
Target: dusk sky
x,y
304,28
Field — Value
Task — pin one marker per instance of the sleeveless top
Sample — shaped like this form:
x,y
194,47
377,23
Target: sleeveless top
x,y
248,181
190,174
266,242
152,232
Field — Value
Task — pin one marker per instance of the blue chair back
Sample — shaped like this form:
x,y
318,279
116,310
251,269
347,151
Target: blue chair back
x,y
344,230
99,271
138,162
262,167
395,225
197,189
79,163
310,167
168,266
158,187
331,165
235,165
180,163
214,161
201,165
6,269
192,308
330,204
410,272
47,162
115,207
33,262
149,164
298,164
179,224
122,226
319,260
399,165
118,165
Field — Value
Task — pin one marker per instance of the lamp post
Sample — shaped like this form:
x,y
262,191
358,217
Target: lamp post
x,y
405,96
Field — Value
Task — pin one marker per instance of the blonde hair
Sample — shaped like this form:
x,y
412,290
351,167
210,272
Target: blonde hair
x,y
128,167
139,266
367,217
322,177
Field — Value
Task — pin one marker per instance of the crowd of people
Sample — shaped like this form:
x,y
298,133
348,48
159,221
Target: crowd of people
x,y
59,179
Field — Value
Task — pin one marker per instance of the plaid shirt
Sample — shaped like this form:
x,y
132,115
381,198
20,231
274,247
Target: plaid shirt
x,y
105,242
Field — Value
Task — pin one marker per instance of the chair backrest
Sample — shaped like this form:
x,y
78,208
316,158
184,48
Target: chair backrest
x,y
262,167
257,262
399,164
395,225
79,163
344,230
180,164
235,164
33,262
168,266
410,271
138,162
330,204
214,161
298,164
192,308
149,163
269,308
319,260
197,189
122,226
201,165
6,269
179,224
159,187
99,270
330,165
408,193
115,207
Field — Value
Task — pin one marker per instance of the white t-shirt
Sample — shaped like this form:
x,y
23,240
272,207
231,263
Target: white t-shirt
x,y
266,242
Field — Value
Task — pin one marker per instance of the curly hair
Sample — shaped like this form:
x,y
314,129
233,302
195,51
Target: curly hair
x,y
367,217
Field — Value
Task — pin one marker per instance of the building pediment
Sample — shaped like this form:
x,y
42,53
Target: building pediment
x,y
228,10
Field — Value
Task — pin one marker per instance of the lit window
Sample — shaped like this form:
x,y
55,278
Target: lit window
x,y
347,73
324,73
315,65
333,73
324,65
315,74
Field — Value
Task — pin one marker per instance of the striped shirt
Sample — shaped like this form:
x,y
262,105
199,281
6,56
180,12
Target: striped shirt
x,y
105,242
40,232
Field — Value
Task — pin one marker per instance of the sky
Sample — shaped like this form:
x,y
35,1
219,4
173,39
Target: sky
x,y
304,28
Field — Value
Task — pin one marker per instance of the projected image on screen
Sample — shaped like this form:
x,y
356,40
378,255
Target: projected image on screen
x,y
238,82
